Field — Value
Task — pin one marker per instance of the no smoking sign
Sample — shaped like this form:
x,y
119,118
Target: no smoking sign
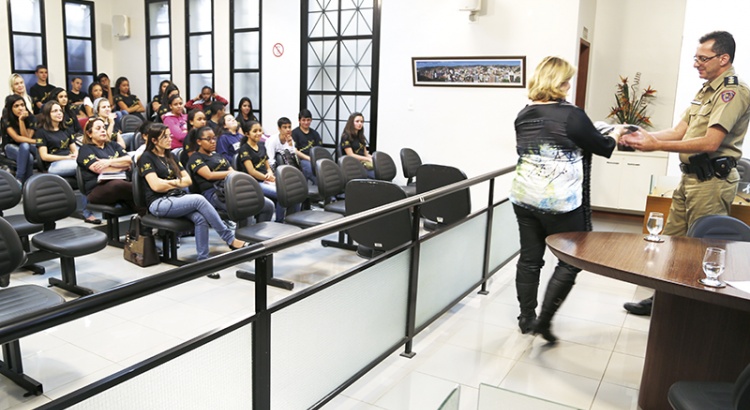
x,y
278,49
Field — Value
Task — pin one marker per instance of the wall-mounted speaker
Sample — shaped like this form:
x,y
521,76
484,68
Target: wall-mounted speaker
x,y
120,26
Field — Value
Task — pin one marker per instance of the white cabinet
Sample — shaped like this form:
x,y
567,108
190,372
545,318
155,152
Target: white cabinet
x,y
622,182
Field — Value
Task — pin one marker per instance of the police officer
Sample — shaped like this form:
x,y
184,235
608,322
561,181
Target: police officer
x,y
709,139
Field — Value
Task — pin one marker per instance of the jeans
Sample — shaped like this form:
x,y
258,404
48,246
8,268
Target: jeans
x,y
196,208
307,170
24,154
534,228
64,168
269,190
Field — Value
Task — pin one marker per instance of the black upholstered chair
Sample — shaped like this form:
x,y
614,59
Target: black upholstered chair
x,y
720,227
244,199
317,153
385,170
291,189
743,167
410,162
48,198
351,168
110,213
18,301
448,209
130,123
384,233
697,395
10,196
170,227
331,185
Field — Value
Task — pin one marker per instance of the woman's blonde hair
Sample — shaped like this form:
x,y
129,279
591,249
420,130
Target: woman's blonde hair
x,y
548,78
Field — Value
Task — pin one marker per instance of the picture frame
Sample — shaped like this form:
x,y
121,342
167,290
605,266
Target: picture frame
x,y
502,71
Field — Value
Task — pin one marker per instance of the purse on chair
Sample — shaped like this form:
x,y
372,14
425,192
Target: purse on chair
x,y
139,249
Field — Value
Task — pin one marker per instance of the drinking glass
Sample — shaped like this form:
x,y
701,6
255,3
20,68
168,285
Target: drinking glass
x,y
713,266
654,225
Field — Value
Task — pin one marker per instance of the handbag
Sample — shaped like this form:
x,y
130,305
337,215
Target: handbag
x,y
139,249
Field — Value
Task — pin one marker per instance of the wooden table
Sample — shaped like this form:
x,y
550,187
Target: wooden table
x,y
696,332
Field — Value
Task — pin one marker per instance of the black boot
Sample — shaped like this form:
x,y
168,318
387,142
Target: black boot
x,y
557,291
526,293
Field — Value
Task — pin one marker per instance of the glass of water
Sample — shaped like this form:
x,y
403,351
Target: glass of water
x,y
654,224
713,266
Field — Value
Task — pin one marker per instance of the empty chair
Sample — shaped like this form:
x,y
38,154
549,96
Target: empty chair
x,y
351,168
130,123
18,301
447,209
719,227
743,167
410,162
291,188
331,185
10,196
245,199
697,395
46,199
170,227
385,170
317,152
384,233
110,213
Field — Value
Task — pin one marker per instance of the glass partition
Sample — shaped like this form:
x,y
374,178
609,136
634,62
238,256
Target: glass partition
x,y
337,332
505,237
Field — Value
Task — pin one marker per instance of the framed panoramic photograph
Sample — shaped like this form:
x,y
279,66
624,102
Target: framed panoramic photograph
x,y
469,71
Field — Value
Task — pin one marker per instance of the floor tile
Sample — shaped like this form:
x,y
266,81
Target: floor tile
x,y
124,340
632,342
476,367
553,385
614,397
417,391
624,370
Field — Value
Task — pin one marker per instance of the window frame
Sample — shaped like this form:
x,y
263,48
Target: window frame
x,y
69,75
149,72
233,31
42,34
188,69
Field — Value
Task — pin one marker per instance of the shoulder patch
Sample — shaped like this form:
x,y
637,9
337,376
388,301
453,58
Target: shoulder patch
x,y
731,80
727,96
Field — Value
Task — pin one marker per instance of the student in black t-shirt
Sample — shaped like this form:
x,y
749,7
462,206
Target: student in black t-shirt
x,y
18,129
40,91
245,114
304,139
125,101
354,144
76,97
70,120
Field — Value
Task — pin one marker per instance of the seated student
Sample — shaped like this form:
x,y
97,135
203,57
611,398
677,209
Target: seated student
x,y
156,101
18,129
281,142
95,92
245,114
195,119
214,112
111,120
176,120
164,108
107,91
70,120
207,167
304,139
99,155
204,99
166,180
354,143
125,101
18,87
39,92
230,138
76,96
254,159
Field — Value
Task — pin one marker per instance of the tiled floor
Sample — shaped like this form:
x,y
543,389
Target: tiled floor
x,y
596,365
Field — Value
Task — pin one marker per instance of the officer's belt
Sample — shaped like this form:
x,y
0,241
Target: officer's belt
x,y
690,169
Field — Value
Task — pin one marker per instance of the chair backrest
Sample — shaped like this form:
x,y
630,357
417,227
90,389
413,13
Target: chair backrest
x,y
47,198
127,138
130,123
743,167
316,153
139,189
79,180
236,163
137,141
386,232
720,227
10,191
352,168
384,167
330,178
447,209
12,254
291,185
244,196
410,162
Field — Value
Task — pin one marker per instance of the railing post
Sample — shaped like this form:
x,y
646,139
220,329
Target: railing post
x,y
488,238
411,301
262,336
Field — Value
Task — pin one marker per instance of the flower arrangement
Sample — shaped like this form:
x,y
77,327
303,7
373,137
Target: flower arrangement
x,y
631,105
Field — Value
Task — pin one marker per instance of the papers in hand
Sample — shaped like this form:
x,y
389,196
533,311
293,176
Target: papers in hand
x,y
106,176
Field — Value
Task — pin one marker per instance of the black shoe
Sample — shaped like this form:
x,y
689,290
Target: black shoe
x,y
543,329
642,308
525,323
213,276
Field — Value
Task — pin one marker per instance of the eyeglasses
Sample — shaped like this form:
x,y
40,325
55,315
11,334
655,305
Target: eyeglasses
x,y
212,139
704,59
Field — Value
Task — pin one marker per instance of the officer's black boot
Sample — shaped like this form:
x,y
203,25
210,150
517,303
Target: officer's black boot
x,y
557,291
526,293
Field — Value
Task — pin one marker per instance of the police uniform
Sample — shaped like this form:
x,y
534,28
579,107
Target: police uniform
x,y
725,101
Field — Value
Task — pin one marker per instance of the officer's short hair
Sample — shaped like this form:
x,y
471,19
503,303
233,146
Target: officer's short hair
x,y
723,43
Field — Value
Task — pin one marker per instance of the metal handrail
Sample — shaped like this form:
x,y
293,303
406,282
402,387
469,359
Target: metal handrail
x,y
87,305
